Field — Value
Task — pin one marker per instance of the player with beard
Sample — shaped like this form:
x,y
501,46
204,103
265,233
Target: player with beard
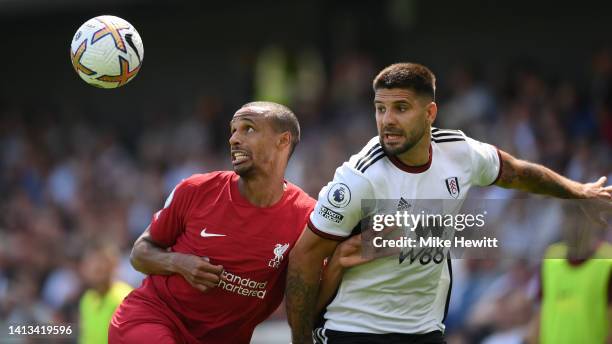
x,y
216,254
390,300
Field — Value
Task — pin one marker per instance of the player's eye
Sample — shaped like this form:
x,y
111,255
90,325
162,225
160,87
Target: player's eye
x,y
250,129
402,108
380,109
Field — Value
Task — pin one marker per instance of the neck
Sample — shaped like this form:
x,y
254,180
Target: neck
x,y
103,288
583,251
417,155
262,190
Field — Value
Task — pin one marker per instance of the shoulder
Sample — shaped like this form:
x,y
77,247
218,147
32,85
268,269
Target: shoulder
x,y
455,139
299,198
353,176
604,251
192,186
439,135
456,143
451,140
371,153
208,178
205,180
557,251
86,298
120,290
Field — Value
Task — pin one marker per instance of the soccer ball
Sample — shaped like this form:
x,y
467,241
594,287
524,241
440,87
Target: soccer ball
x,y
106,52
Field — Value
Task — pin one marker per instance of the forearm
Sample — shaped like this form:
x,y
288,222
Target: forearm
x,y
330,279
303,278
150,259
535,178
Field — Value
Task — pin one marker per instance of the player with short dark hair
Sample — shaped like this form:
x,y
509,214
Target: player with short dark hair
x,y
216,254
390,300
408,76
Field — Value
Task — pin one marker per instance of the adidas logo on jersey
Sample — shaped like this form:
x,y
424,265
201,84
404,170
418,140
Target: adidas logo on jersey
x,y
403,204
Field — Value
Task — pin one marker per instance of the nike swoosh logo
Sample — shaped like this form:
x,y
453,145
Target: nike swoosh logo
x,y
203,234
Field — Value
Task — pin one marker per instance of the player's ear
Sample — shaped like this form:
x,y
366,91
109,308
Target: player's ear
x,y
432,111
284,140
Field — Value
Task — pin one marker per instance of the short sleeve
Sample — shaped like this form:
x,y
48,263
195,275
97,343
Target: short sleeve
x,y
486,162
338,209
168,223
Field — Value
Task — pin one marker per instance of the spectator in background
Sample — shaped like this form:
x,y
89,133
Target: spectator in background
x,y
66,175
575,286
104,294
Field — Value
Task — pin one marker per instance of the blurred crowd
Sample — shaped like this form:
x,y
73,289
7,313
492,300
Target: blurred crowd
x,y
67,181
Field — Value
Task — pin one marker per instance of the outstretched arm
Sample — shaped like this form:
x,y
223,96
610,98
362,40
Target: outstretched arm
x,y
152,258
303,277
527,176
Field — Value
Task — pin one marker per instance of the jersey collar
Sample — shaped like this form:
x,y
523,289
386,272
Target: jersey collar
x,y
237,197
411,169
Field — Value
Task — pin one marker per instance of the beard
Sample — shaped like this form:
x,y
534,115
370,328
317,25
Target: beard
x,y
410,141
245,172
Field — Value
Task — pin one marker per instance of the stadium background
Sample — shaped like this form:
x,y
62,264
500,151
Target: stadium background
x,y
79,164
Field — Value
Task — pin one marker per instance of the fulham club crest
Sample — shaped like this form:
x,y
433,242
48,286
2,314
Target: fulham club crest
x,y
452,185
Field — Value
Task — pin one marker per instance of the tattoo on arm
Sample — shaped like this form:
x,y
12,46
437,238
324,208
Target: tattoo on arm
x,y
301,299
530,177
303,279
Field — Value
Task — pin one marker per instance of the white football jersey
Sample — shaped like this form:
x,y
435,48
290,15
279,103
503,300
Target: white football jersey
x,y
387,295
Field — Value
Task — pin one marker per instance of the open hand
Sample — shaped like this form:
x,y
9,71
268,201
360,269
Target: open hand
x,y
349,252
598,190
598,200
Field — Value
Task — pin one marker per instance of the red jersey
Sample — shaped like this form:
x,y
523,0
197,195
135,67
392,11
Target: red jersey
x,y
207,216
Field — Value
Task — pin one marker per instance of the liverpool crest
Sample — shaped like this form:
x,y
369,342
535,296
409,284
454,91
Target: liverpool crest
x,y
279,251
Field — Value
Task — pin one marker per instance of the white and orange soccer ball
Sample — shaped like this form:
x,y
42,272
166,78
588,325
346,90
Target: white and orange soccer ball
x,y
106,52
